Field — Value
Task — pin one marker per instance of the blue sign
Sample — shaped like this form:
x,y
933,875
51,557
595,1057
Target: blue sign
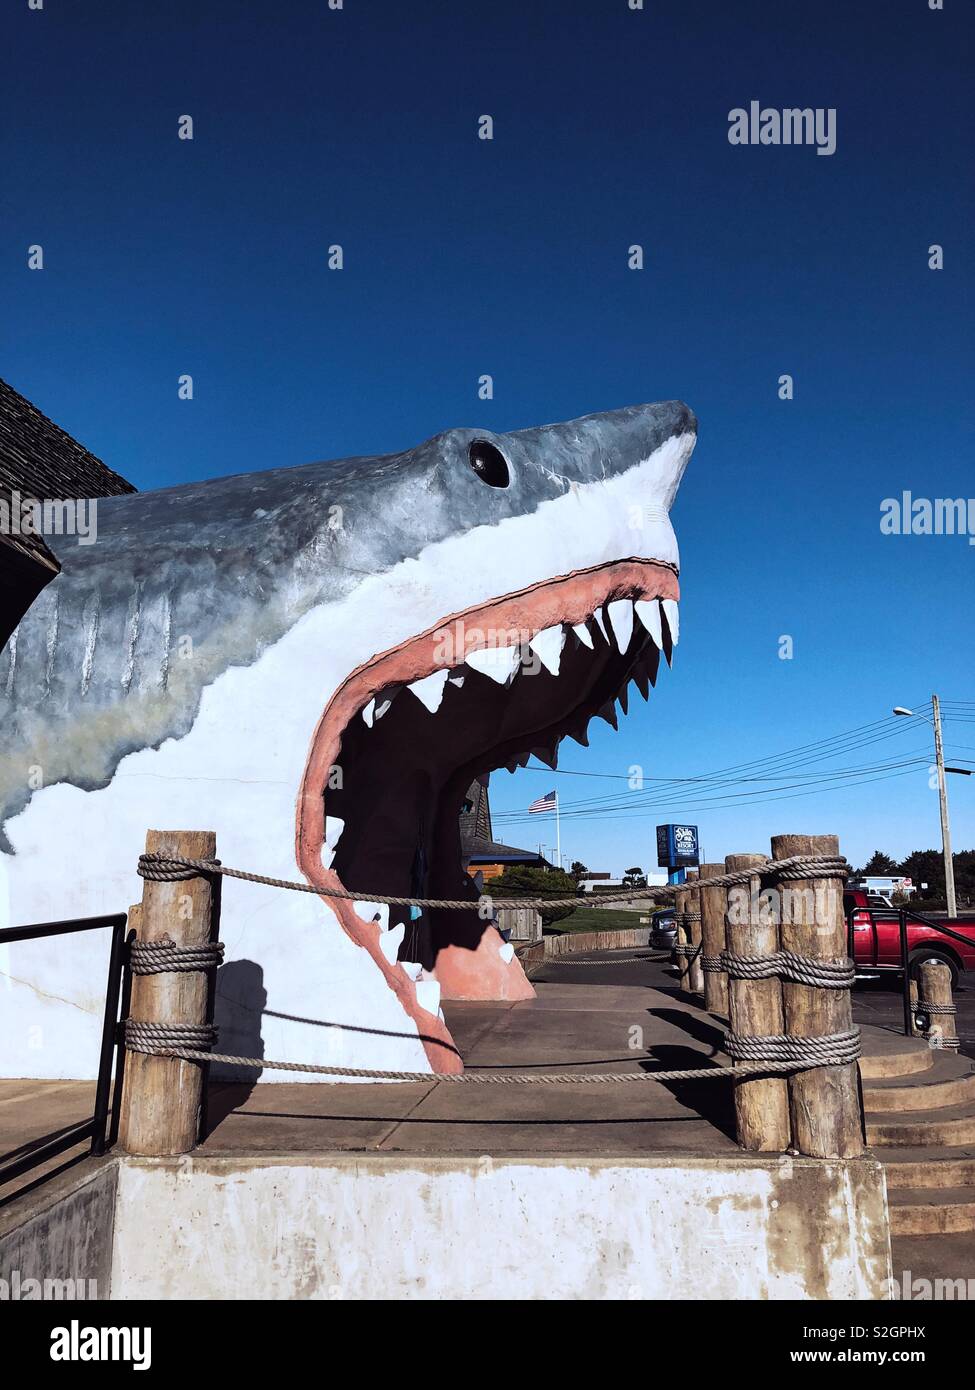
x,y
677,846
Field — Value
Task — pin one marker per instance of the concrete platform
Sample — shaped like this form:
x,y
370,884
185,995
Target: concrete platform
x,y
577,1026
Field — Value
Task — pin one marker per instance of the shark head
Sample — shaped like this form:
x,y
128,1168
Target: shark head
x,y
317,661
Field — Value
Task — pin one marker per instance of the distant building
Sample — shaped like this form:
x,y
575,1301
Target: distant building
x,y
480,852
599,883
40,462
886,884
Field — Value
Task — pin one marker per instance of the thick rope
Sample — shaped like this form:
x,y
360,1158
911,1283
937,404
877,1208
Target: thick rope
x,y
787,965
161,957
711,965
737,1072
830,1050
156,1038
165,868
936,1008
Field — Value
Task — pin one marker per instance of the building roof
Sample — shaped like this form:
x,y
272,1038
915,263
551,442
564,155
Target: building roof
x,y
477,842
39,460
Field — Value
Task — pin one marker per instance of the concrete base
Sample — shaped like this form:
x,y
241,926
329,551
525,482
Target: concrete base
x,y
408,1227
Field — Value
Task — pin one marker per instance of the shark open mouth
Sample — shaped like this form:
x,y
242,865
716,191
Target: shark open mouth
x,y
405,734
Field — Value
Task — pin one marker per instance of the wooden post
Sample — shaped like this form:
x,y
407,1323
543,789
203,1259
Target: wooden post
x,y
682,938
161,1096
695,971
712,904
824,1101
934,994
755,1010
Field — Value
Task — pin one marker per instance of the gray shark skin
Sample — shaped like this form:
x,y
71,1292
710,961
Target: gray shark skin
x,y
222,569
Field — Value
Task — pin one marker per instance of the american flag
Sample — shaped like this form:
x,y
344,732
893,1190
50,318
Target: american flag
x,y
544,803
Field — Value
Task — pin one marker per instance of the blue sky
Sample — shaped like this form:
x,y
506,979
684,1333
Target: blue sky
x,y
462,256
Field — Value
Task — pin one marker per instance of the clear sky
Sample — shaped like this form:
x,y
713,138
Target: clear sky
x,y
358,126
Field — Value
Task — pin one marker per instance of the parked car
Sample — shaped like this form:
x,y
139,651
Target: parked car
x,y
876,938
663,929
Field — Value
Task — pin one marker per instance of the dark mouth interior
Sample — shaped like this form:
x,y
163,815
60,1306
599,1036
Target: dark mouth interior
x,y
405,777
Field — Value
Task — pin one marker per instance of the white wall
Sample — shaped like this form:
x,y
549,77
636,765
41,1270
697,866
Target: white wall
x,y
390,1227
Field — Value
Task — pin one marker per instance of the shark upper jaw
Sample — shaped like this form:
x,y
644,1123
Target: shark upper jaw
x,y
400,740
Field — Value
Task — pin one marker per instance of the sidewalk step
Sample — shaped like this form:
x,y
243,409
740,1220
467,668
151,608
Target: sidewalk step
x,y
924,1211
888,1054
950,1080
952,1125
934,1168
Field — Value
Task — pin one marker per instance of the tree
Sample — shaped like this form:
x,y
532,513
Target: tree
x,y
879,864
925,866
634,878
578,870
522,881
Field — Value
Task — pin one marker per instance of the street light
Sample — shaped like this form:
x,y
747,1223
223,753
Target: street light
x,y
943,796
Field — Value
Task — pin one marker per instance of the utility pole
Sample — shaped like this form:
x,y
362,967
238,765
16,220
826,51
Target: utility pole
x,y
943,794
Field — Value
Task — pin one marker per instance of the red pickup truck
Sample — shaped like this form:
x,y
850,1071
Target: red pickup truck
x,y
876,937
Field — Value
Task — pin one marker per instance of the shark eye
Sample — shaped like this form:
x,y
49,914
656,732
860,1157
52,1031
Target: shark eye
x,y
488,463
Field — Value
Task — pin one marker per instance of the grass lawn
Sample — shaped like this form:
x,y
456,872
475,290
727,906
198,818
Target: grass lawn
x,y
597,919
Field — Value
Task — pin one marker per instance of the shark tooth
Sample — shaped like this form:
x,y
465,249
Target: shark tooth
x,y
648,611
608,712
547,646
369,912
640,681
369,713
429,690
391,941
581,734
333,831
456,679
500,663
383,702
413,968
583,634
428,995
620,614
622,698
601,624
672,614
507,952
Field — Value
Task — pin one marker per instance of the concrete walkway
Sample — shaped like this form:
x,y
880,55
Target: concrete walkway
x,y
581,1021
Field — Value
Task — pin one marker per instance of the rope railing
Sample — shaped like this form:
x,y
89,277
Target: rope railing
x,y
751,1056
163,868
786,1055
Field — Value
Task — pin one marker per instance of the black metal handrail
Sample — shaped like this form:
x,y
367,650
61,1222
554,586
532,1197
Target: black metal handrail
x,y
96,1126
904,969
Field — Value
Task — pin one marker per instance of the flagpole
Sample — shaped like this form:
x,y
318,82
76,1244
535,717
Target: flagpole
x,y
558,835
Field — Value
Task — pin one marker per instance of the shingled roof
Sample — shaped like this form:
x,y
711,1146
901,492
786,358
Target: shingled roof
x,y
39,459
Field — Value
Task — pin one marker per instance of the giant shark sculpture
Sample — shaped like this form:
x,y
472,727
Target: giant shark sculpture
x,y
314,662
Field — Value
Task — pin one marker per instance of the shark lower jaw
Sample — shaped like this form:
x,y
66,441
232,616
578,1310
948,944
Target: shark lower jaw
x,y
401,739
